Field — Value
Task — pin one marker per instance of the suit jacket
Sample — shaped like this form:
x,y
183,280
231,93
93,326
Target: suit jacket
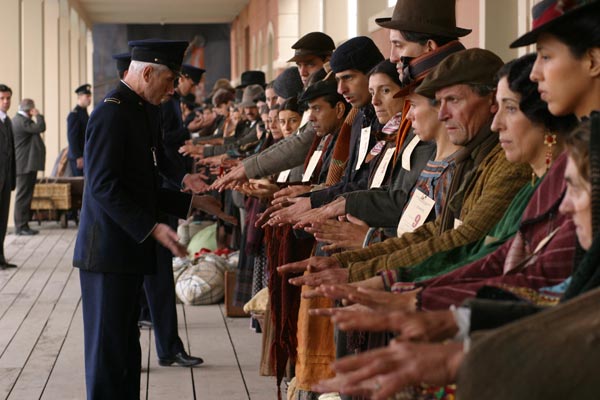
x,y
30,150
122,200
76,123
7,155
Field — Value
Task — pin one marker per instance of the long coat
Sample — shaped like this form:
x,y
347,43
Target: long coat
x,y
7,155
122,200
30,150
76,124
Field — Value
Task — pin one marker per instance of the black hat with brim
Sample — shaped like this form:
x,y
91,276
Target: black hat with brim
x,y
86,88
319,89
123,60
194,73
157,51
252,78
551,13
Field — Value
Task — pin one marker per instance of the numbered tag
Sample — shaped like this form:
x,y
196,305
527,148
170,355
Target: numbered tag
x,y
382,168
283,176
457,223
408,152
312,164
365,135
416,213
305,117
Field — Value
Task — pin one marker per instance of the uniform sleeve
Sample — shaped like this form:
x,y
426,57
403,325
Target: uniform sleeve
x,y
73,129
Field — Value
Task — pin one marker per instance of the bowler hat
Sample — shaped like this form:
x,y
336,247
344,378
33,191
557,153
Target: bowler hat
x,y
158,51
470,67
436,17
194,73
415,71
86,88
123,60
312,44
252,78
550,13
288,83
251,95
359,53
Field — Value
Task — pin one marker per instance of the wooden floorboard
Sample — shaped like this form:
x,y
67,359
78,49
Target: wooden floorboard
x,y
41,335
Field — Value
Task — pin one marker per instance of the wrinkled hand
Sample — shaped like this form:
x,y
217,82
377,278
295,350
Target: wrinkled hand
x,y
312,264
348,235
330,312
212,206
195,183
381,300
263,218
331,210
380,373
233,178
213,160
261,188
288,215
167,237
328,277
285,194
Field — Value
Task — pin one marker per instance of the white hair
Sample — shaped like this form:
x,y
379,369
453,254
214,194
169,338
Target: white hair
x,y
138,67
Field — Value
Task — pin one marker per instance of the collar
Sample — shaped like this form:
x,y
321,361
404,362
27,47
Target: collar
x,y
3,115
23,113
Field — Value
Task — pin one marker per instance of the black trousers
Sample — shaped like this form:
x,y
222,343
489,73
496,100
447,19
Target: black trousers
x,y
113,356
24,195
4,207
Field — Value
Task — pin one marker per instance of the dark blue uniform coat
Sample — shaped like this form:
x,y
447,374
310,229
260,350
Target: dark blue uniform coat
x,y
76,123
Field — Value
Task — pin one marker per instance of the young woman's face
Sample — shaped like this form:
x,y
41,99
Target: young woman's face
x,y
289,121
563,80
578,204
423,116
273,124
383,89
522,141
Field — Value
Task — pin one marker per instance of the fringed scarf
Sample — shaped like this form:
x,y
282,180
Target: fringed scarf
x,y
405,125
341,150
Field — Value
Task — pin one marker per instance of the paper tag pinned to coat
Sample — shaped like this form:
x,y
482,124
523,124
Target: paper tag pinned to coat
x,y
408,152
365,136
312,164
283,176
382,168
416,213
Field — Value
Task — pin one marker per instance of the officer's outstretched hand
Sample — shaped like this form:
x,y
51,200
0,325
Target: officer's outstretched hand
x,y
169,239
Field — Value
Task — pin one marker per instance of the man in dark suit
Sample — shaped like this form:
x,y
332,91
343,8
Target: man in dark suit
x,y
76,124
7,168
122,216
30,152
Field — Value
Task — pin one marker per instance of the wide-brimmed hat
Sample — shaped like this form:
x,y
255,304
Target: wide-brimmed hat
x,y
550,13
251,95
312,44
436,17
416,69
469,67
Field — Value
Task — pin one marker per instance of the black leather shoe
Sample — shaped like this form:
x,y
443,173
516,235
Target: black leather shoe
x,y
182,359
27,232
6,265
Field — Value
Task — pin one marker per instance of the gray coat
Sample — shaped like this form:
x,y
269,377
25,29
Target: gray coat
x,y
30,150
7,155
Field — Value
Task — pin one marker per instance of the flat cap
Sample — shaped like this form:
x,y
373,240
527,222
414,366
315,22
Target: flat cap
x,y
158,51
194,73
320,89
123,60
359,53
252,78
471,67
312,44
288,83
86,88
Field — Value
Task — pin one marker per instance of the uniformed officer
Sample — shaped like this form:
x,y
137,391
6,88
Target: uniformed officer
x,y
121,216
76,124
123,60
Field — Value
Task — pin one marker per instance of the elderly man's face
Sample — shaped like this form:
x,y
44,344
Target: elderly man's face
x,y
464,112
158,84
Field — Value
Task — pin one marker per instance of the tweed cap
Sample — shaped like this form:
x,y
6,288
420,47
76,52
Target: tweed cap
x,y
222,96
288,83
471,67
194,73
312,44
86,88
251,95
550,13
359,53
320,89
158,51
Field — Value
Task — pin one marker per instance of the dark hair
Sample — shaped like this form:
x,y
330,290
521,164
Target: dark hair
x,y
535,109
579,34
578,147
386,67
4,88
290,104
422,38
270,85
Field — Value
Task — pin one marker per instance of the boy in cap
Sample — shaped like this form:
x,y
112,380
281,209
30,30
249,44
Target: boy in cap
x,y
311,51
76,124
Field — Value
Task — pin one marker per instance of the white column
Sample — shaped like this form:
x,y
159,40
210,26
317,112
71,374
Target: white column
x,y
83,52
499,26
76,79
311,16
51,82
32,42
10,43
336,20
288,31
66,96
366,9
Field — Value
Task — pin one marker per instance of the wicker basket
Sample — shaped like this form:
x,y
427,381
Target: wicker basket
x,y
51,196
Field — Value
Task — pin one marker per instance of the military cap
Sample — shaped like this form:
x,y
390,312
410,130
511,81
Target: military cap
x,y
548,14
313,44
194,73
288,83
252,94
435,17
86,88
252,78
123,60
469,67
222,96
359,53
416,69
319,89
157,51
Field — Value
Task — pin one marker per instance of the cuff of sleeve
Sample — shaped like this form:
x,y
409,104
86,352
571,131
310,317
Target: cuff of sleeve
x,y
462,318
389,277
149,233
